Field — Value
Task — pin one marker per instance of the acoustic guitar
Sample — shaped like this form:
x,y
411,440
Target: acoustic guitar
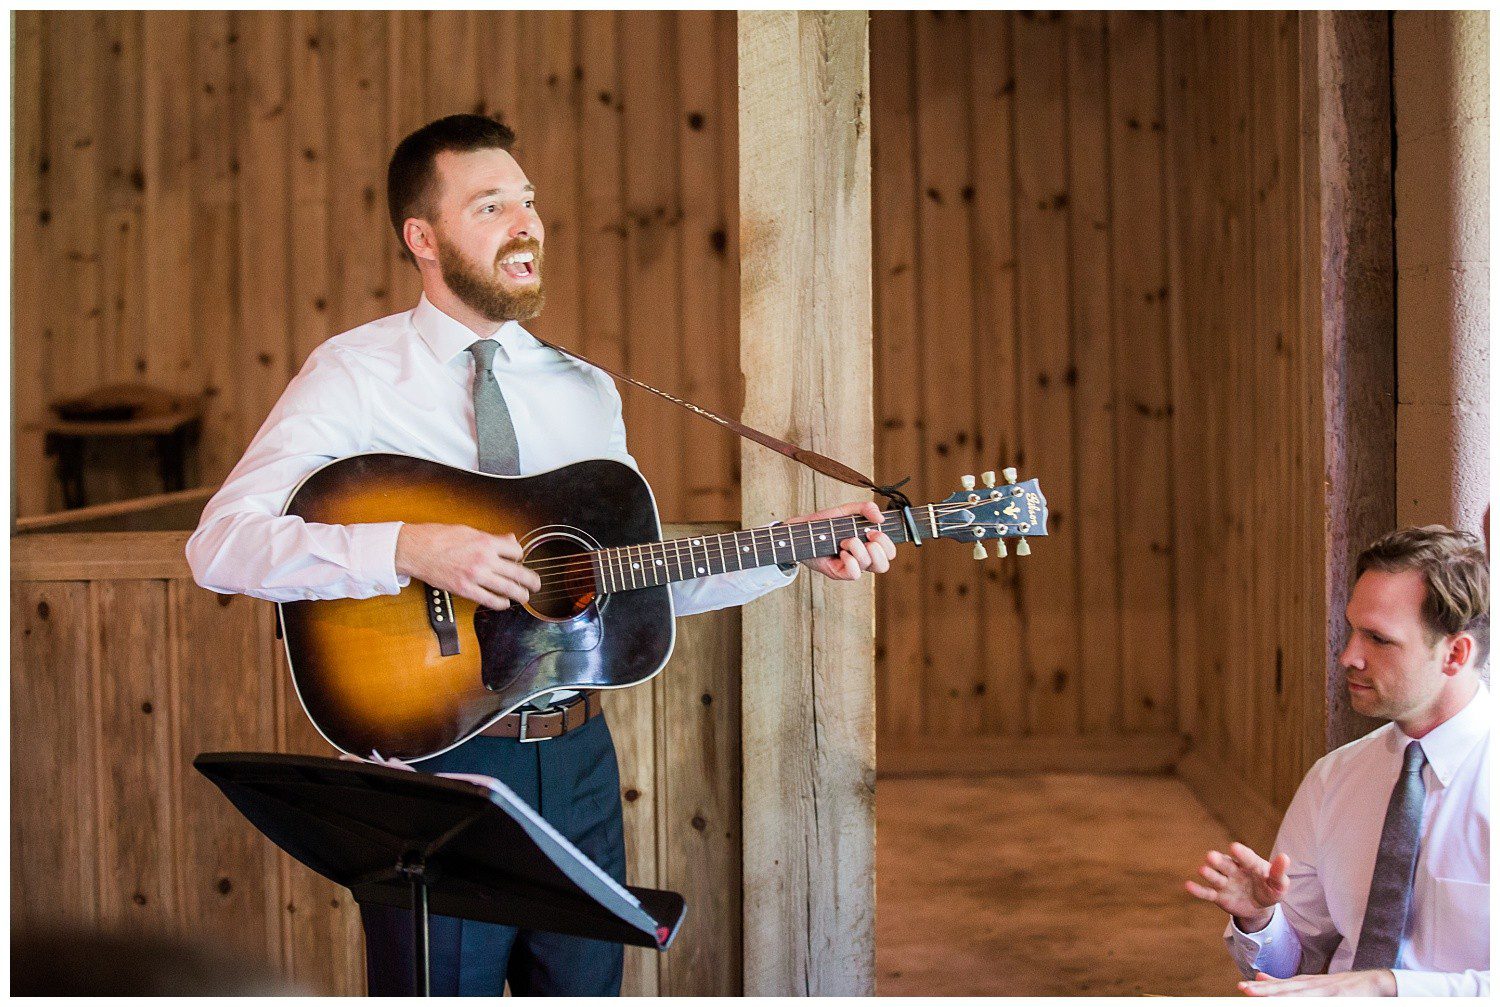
x,y
414,674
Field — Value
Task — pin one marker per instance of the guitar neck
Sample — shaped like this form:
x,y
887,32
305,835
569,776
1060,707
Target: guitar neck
x,y
655,563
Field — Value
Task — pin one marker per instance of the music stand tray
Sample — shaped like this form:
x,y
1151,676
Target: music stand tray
x,y
427,843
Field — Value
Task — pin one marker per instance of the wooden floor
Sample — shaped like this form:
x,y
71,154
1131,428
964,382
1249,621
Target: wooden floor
x,y
1044,885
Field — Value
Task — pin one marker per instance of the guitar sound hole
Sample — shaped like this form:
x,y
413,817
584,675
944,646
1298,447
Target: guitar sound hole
x,y
567,586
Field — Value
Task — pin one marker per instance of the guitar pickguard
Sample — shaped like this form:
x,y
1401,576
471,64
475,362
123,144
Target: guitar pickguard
x,y
510,641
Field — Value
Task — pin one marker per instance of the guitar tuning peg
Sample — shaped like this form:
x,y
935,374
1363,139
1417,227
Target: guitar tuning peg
x,y
1000,551
1023,547
1010,475
988,478
967,482
979,552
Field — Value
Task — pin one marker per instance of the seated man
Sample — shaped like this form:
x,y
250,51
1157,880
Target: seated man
x,y
1380,873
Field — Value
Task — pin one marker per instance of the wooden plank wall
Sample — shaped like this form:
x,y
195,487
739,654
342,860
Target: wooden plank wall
x,y
119,678
1249,425
1086,239
1021,256
200,196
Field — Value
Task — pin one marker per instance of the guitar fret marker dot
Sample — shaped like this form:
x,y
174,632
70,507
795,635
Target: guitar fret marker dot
x,y
700,569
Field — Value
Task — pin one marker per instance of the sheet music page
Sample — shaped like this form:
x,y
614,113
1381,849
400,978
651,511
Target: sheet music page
x,y
530,817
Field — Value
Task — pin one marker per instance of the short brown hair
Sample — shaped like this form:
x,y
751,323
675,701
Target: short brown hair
x,y
1454,567
413,168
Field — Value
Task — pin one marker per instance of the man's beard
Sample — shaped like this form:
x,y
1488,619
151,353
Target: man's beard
x,y
484,292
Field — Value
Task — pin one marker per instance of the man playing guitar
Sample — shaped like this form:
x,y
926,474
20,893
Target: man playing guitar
x,y
413,383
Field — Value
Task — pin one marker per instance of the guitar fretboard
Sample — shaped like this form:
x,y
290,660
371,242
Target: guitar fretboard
x,y
656,563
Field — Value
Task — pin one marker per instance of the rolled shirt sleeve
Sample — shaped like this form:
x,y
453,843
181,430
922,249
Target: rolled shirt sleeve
x,y
1470,983
725,590
245,545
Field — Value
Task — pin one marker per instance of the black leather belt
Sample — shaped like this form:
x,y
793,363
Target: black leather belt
x,y
527,724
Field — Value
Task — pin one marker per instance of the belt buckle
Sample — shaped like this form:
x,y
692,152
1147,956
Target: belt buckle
x,y
526,714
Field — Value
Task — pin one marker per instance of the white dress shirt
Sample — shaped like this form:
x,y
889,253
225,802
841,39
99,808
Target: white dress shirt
x,y
1331,832
403,384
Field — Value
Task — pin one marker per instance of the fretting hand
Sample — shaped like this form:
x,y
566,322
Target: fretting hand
x,y
873,550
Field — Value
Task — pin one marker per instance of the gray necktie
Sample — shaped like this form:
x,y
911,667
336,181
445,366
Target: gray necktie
x,y
498,451
1395,867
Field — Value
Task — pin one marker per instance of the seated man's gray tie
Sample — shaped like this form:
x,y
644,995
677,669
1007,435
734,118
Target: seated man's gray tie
x,y
1395,868
498,451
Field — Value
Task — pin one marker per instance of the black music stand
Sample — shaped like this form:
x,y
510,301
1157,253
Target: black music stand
x,y
428,843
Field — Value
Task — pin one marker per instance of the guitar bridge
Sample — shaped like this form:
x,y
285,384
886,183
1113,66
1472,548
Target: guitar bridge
x,y
440,618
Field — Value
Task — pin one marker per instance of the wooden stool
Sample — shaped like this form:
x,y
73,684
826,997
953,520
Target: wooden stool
x,y
168,420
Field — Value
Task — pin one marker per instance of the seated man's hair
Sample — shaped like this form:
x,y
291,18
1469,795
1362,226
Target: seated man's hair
x,y
411,177
1456,570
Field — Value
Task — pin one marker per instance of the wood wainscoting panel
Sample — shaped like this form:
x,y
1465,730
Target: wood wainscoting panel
x,y
949,755
1223,788
123,670
54,825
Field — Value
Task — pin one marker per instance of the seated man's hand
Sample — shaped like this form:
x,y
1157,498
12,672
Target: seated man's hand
x,y
1367,983
484,568
873,550
1242,884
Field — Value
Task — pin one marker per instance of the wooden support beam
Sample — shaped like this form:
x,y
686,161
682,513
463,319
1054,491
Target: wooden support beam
x,y
805,348
1349,296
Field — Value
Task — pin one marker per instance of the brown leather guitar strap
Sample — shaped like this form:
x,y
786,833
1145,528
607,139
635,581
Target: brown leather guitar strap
x,y
818,463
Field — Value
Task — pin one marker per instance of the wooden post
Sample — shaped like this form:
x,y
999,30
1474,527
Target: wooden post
x,y
1350,298
805,339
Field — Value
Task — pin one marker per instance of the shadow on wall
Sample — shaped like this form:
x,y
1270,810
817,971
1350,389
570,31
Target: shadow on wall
x,y
81,962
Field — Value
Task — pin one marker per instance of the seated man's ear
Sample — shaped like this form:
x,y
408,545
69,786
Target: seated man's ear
x,y
1460,651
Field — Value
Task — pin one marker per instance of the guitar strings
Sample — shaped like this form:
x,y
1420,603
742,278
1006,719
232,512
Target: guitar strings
x,y
681,542
681,547
573,564
553,588
577,586
563,563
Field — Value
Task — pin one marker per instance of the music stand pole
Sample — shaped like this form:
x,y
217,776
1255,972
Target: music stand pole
x,y
415,872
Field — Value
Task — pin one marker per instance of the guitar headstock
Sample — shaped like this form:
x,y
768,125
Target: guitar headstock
x,y
985,512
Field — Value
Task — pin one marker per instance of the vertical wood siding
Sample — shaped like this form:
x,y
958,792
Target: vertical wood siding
x,y
1022,319
1088,262
200,201
1247,366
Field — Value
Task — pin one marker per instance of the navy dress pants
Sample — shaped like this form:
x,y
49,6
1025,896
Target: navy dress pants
x,y
573,782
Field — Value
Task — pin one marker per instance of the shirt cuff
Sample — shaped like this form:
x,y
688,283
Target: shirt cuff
x,y
373,550
1246,948
765,578
1264,935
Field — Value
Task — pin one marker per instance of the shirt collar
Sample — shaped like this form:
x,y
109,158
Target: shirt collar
x,y
1449,744
449,338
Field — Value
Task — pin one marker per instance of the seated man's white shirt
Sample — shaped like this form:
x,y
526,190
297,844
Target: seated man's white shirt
x,y
1331,832
403,384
